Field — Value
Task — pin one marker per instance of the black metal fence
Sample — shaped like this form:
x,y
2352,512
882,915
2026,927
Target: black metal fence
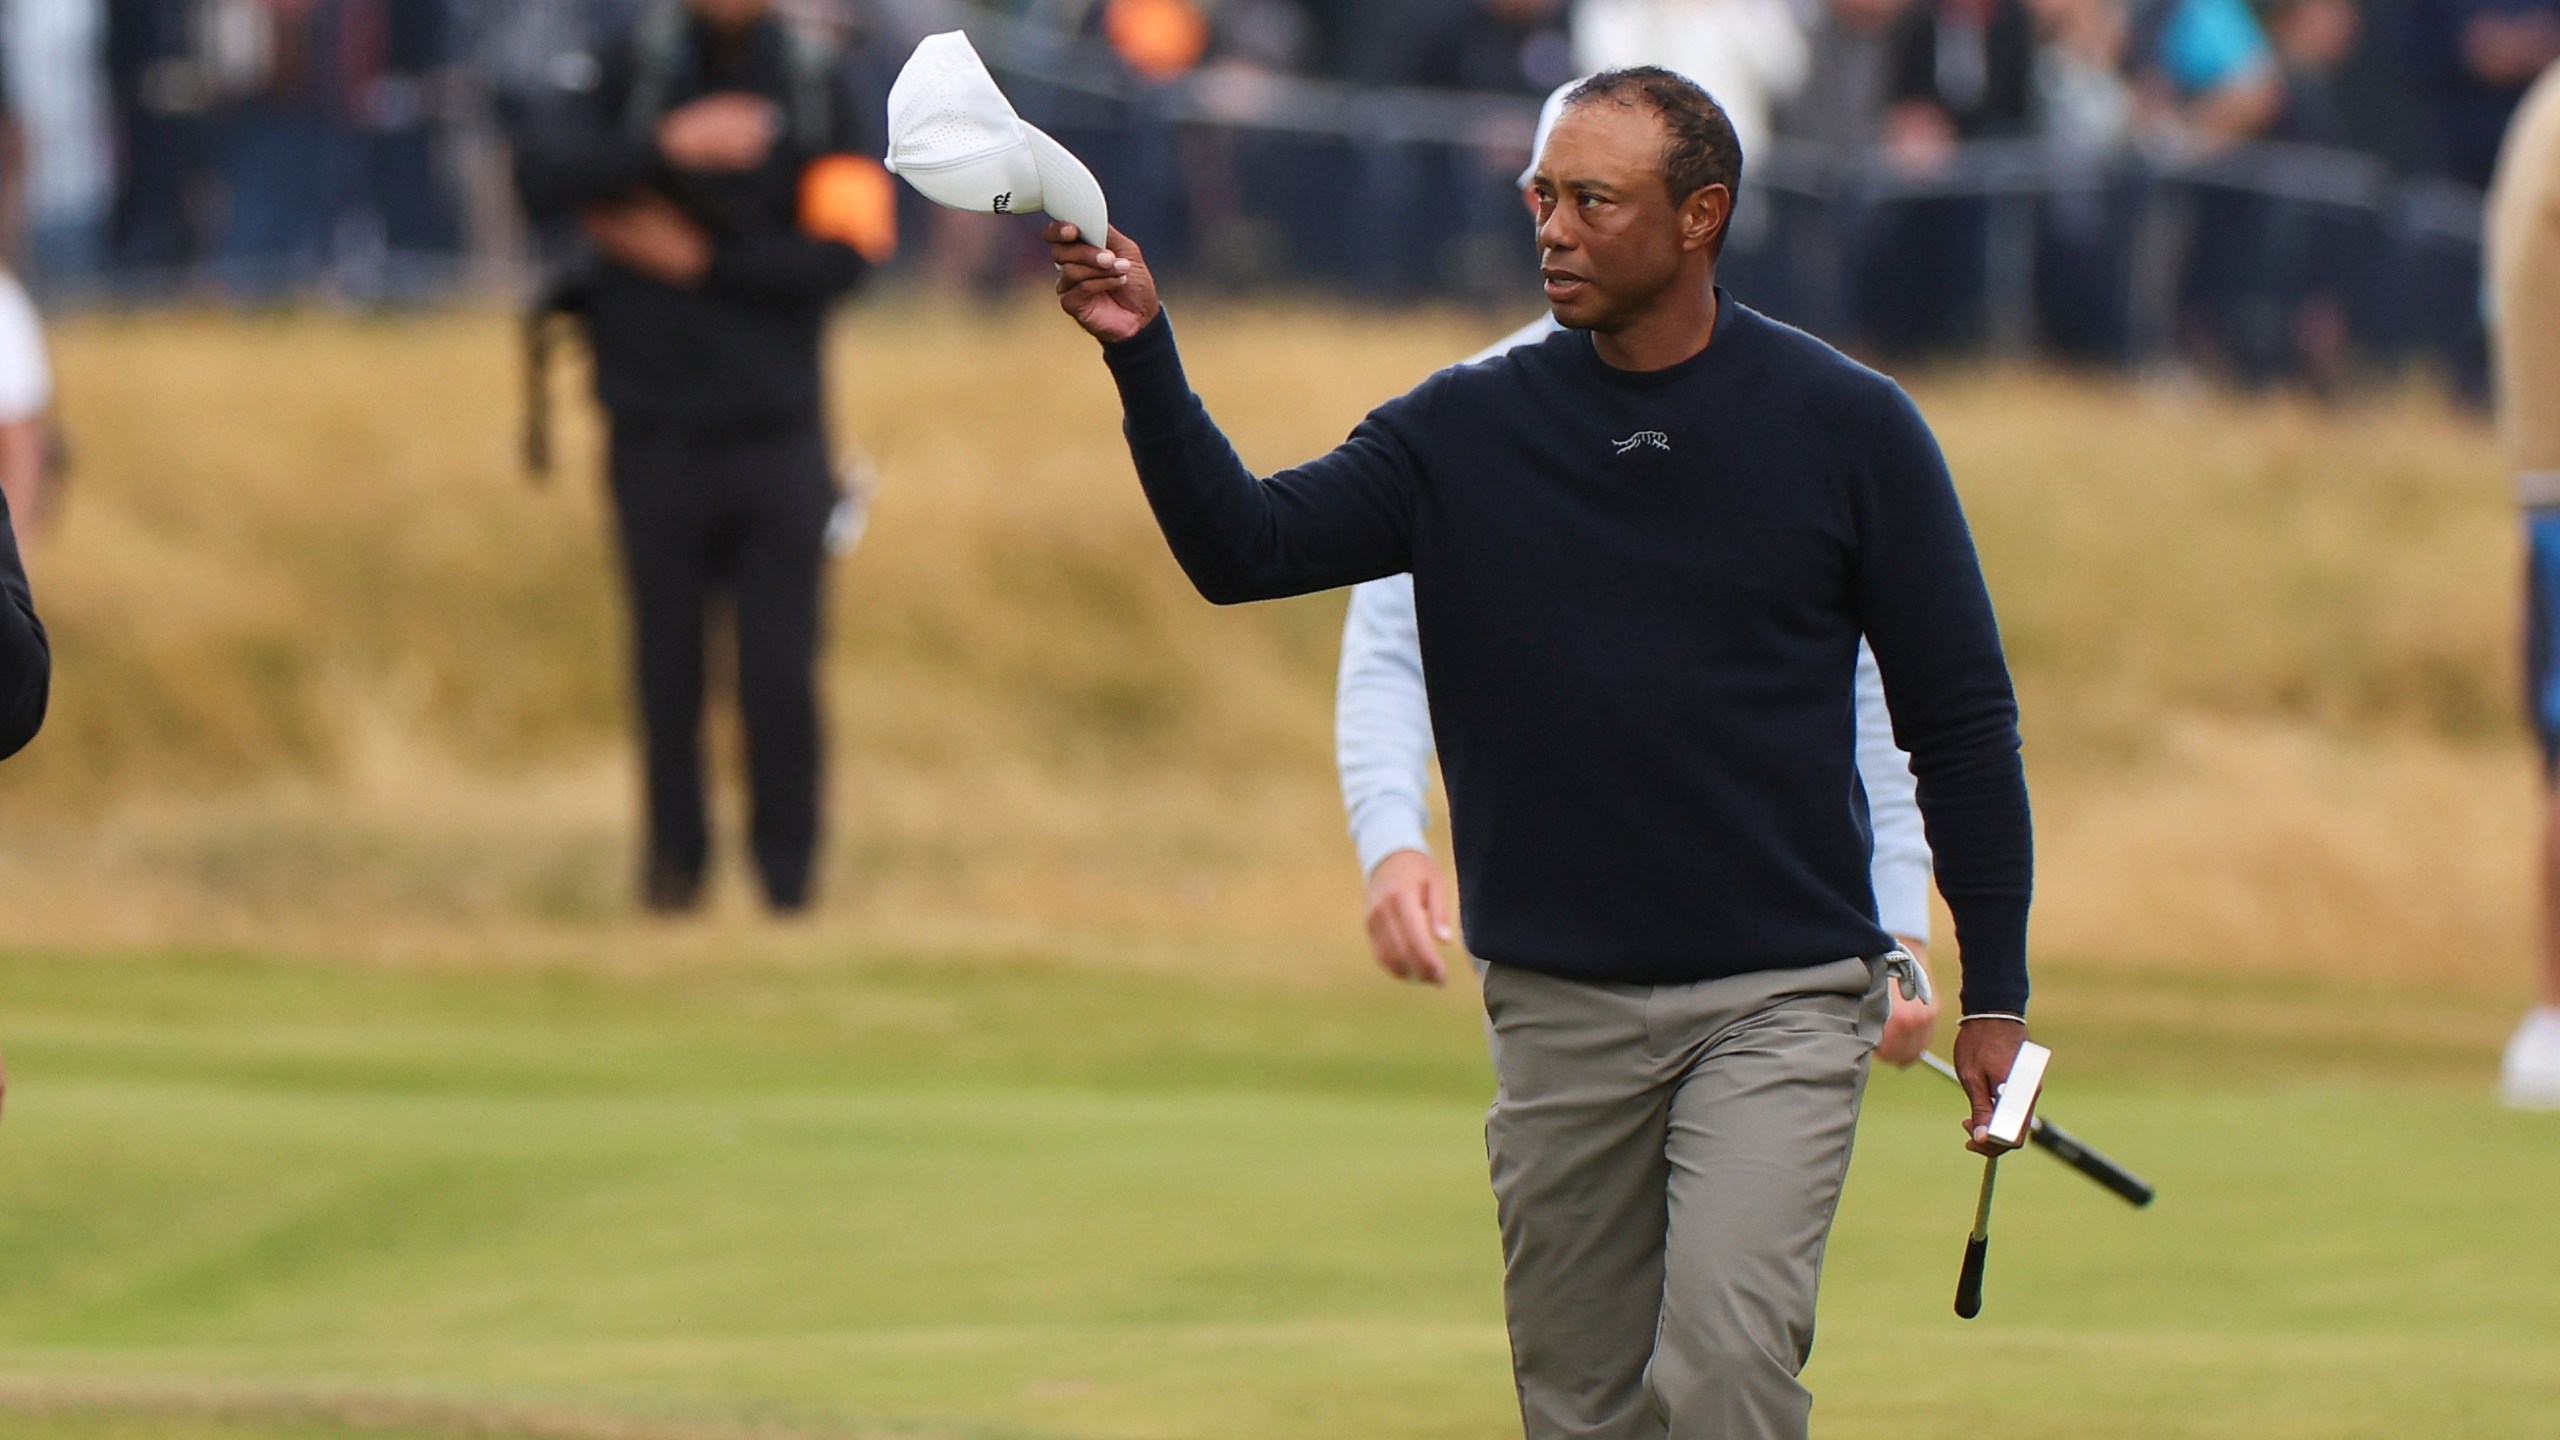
x,y
2261,261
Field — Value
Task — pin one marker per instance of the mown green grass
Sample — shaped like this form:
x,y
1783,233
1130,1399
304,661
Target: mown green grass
x,y
1001,1195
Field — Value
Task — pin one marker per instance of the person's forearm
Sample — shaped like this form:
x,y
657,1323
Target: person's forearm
x,y
1333,522
1204,498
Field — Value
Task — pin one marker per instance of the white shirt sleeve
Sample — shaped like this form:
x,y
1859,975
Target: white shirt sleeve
x,y
1382,742
1901,864
1382,723
26,379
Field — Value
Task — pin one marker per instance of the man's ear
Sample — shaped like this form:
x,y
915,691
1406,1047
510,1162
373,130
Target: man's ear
x,y
1703,217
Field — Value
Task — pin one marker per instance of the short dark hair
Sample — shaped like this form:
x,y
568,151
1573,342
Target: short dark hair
x,y
1699,149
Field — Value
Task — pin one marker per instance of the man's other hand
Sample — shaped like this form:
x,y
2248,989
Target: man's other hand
x,y
1985,1049
1110,292
1409,917
719,133
1914,1023
650,235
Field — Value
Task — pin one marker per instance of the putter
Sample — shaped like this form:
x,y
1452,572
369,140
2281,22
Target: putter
x,y
2066,1147
2008,1126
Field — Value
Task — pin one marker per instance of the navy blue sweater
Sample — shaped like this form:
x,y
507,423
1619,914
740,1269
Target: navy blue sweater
x,y
1640,597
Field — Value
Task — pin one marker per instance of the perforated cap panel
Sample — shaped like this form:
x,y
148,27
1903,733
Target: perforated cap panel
x,y
945,108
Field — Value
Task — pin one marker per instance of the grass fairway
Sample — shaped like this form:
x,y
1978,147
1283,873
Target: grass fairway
x,y
349,1102
1010,1196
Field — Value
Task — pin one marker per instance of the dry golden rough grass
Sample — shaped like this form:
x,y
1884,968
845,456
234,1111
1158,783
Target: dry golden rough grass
x,y
334,677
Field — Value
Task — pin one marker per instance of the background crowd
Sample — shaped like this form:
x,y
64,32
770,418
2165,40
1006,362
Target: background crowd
x,y
2270,188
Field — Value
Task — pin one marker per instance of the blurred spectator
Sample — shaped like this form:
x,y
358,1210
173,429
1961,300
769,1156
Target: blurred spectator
x,y
1749,54
1840,108
2313,40
2084,107
1157,39
278,143
13,165
159,96
54,87
2204,73
1510,47
1956,70
718,162
2082,101
2472,60
396,91
1841,103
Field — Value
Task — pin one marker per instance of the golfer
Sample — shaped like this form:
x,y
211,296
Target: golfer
x,y
2524,289
1383,748
1644,550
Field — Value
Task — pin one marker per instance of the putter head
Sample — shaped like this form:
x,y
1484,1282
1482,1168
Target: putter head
x,y
2017,1102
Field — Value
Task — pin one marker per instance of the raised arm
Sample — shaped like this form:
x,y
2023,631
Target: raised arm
x,y
1337,520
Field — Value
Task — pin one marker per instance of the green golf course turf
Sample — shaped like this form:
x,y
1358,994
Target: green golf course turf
x,y
245,1199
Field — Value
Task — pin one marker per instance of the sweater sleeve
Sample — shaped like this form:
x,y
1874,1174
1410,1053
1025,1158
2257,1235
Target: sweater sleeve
x,y
1927,613
1337,520
26,659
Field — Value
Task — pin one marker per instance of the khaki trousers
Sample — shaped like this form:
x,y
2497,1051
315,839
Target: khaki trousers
x,y
1666,1162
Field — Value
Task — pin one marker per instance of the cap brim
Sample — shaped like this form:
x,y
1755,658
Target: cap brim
x,y
1067,189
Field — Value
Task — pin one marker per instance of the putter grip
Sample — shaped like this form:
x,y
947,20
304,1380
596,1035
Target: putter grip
x,y
1969,1283
2066,1147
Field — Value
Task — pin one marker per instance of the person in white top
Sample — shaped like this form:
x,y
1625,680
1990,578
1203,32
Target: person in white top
x,y
26,395
1749,54
1383,747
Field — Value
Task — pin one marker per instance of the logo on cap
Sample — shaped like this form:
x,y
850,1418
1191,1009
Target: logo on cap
x,y
1004,203
1642,438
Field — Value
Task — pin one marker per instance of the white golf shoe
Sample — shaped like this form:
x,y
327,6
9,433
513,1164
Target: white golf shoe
x,y
2529,1078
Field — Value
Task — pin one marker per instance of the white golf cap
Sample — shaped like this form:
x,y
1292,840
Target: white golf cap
x,y
954,137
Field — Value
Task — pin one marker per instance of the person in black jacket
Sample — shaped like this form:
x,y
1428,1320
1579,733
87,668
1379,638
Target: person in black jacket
x,y
688,162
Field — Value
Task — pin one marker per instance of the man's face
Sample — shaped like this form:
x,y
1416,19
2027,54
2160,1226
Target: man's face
x,y
730,14
1611,239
